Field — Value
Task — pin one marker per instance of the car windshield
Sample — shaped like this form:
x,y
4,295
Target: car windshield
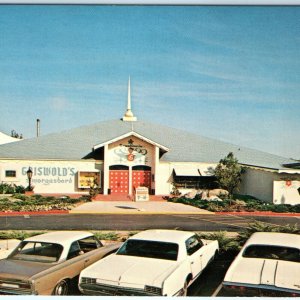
x,y
38,252
151,249
273,252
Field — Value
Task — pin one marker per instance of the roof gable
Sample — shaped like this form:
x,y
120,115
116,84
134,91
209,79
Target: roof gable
x,y
131,133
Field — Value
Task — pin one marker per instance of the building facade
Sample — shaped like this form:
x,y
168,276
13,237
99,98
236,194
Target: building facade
x,y
118,156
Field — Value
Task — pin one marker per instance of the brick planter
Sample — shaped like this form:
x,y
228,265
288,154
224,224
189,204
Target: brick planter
x,y
29,193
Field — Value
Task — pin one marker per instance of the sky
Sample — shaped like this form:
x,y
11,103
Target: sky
x,y
226,72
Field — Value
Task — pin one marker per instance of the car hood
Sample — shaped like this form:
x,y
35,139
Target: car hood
x,y
281,274
23,270
123,269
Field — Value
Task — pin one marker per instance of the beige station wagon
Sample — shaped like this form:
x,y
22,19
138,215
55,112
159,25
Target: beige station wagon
x,y
49,263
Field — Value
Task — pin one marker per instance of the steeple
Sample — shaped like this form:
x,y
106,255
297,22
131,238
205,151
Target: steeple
x,y
128,116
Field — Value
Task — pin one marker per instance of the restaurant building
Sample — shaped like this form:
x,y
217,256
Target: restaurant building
x,y
121,155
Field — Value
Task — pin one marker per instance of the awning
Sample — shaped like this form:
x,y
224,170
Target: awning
x,y
206,171
186,171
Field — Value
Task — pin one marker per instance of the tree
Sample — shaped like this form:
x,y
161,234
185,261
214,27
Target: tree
x,y
228,173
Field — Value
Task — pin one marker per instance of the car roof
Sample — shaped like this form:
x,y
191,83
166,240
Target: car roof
x,y
59,237
275,238
163,235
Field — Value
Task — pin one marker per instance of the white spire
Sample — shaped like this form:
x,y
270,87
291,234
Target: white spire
x,y
129,96
128,116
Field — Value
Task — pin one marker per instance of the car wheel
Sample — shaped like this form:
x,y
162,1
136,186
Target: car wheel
x,y
62,288
183,291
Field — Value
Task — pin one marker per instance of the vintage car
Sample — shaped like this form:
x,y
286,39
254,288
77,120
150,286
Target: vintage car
x,y
267,265
7,246
150,263
46,264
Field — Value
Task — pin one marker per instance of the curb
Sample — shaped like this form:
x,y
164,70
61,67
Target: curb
x,y
258,213
21,213
139,212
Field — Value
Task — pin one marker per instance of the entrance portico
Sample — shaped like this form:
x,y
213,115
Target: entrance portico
x,y
130,161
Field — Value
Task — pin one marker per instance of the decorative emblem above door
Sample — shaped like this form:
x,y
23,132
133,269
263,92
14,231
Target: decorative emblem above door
x,y
131,152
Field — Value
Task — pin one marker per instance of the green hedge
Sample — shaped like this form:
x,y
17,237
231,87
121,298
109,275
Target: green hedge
x,y
21,202
239,203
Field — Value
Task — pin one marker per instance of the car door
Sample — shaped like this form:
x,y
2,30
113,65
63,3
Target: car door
x,y
193,247
87,245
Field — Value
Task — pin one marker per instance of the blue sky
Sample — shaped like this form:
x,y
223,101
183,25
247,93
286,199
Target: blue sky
x,y
226,72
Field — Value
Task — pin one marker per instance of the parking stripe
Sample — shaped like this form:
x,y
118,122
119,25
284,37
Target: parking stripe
x,y
217,290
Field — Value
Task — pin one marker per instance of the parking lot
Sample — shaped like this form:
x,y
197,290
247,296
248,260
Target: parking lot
x,y
208,283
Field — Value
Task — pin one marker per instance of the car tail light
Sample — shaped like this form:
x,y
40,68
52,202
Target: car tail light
x,y
24,285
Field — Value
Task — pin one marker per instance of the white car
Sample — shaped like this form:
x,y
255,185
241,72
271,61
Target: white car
x,y
267,265
150,263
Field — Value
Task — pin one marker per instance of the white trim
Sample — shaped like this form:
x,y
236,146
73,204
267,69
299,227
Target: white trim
x,y
260,168
293,171
127,135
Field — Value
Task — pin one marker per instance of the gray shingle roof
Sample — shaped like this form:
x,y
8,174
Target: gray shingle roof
x,y
75,144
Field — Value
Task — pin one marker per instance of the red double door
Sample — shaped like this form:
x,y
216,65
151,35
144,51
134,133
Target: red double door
x,y
119,180
141,178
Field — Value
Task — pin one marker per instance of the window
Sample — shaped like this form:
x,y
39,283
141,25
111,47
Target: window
x,y
88,244
10,173
74,250
38,252
193,244
84,245
151,249
272,252
195,182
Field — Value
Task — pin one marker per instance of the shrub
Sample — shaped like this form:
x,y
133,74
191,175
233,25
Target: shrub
x,y
19,189
20,196
113,236
295,208
280,208
6,188
19,235
225,243
257,226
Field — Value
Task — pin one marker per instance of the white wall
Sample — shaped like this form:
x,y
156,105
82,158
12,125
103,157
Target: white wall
x,y
163,179
48,176
271,186
258,183
286,192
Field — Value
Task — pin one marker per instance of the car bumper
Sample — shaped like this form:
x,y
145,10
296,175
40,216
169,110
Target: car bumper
x,y
16,292
110,290
258,291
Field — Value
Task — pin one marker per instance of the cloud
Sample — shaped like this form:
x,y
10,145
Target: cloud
x,y
59,104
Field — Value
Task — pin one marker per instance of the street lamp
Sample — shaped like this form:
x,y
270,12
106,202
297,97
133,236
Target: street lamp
x,y
29,176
